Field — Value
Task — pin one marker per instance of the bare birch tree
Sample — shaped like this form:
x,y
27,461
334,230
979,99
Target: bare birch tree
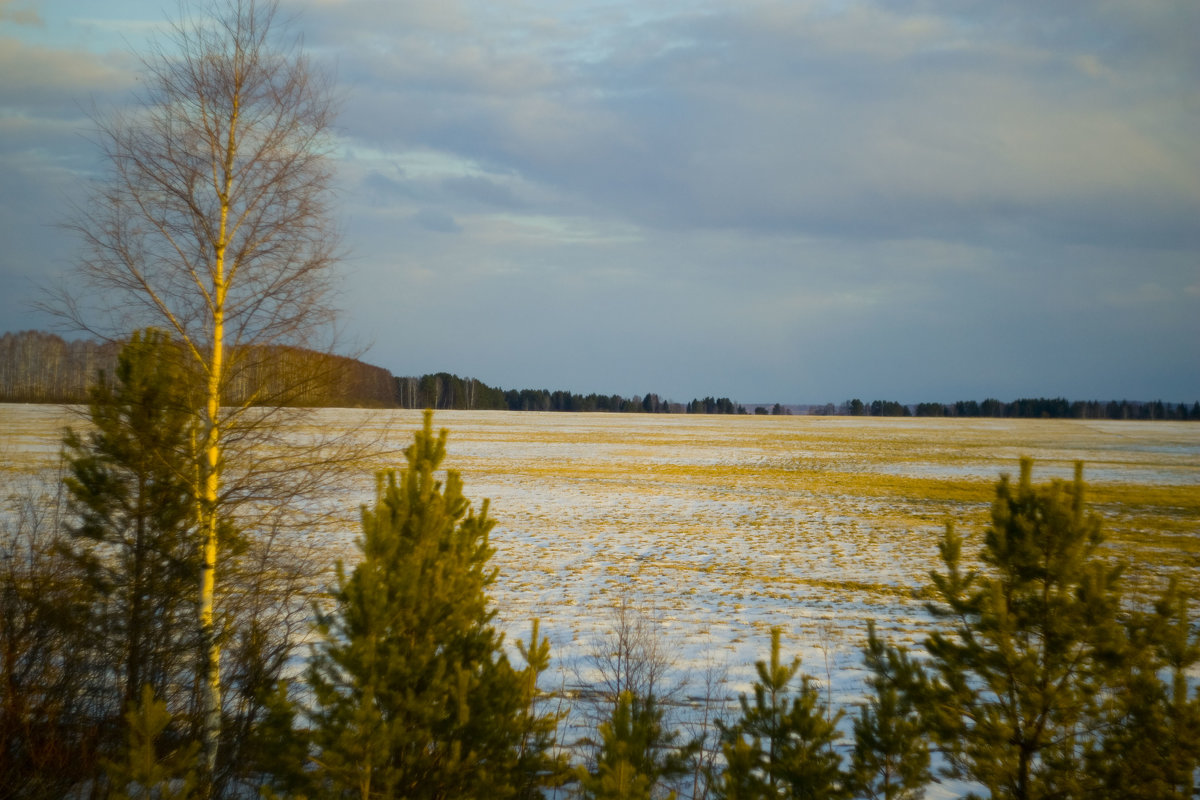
x,y
214,225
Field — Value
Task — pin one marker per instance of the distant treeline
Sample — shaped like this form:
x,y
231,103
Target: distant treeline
x,y
40,367
1025,408
37,367
446,391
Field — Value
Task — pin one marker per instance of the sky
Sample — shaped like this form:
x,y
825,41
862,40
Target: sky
x,y
770,200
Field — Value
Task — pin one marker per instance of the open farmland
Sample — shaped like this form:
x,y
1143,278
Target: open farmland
x,y
722,527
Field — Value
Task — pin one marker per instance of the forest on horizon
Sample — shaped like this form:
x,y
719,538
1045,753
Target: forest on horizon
x,y
40,367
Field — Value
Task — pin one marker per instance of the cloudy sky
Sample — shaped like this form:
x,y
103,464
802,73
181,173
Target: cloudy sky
x,y
773,200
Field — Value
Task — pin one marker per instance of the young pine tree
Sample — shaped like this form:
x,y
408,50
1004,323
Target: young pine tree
x,y
891,758
130,485
1018,684
413,695
150,769
637,757
783,745
1150,746
539,761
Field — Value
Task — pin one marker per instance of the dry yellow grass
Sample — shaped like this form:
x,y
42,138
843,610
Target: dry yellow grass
x,y
726,526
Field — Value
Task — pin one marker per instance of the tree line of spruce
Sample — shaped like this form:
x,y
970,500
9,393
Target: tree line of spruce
x,y
38,367
1023,408
1044,681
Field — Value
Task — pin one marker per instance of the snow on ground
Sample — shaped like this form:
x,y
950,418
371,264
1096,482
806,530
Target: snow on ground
x,y
719,528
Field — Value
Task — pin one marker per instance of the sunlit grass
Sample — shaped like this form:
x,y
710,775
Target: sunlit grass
x,y
725,527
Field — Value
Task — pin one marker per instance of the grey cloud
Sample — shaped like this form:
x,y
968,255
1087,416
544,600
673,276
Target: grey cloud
x,y
827,124
480,191
379,188
436,221
780,199
469,192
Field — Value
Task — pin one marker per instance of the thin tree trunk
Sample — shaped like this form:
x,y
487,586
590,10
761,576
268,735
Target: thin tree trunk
x,y
211,654
212,477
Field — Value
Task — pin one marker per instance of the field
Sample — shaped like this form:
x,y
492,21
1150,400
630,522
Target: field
x,y
719,527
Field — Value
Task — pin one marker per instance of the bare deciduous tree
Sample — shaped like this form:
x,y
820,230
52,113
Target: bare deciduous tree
x,y
635,655
213,224
634,699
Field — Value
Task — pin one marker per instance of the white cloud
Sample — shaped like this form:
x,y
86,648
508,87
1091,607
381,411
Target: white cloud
x,y
839,120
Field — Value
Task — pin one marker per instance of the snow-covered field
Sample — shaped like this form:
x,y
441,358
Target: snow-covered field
x,y
719,528
722,527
